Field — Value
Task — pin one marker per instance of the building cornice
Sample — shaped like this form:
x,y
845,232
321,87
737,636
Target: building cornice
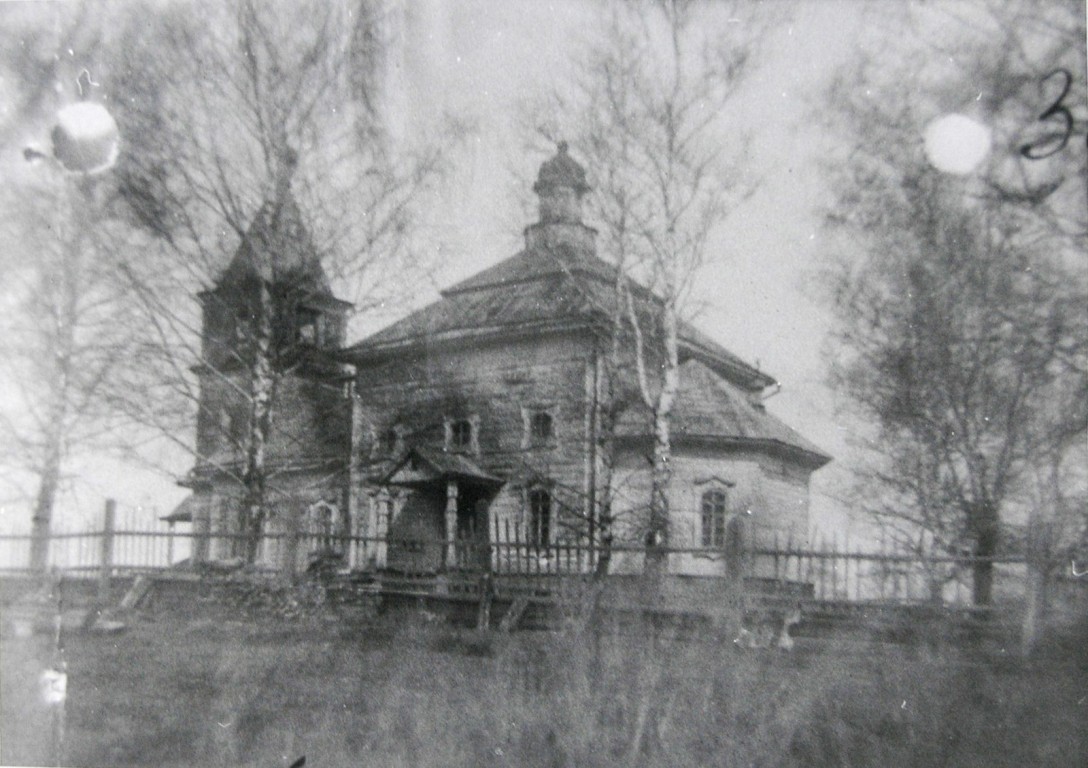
x,y
733,444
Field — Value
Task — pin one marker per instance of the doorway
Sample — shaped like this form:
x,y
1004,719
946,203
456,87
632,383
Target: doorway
x,y
473,530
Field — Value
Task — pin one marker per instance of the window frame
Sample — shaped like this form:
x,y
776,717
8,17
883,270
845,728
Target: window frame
x,y
540,508
326,526
452,426
713,511
529,420
538,436
460,435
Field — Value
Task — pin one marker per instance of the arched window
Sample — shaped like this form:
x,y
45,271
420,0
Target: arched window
x,y
324,527
540,517
713,518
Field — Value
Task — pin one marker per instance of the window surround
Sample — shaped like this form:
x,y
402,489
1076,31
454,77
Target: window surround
x,y
462,434
713,504
538,427
540,509
380,446
326,525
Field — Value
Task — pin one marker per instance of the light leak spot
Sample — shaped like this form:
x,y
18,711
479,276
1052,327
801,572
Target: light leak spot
x,y
956,144
85,138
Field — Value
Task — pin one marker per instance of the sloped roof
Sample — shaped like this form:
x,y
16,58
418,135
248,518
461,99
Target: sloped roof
x,y
183,512
708,408
434,465
278,247
538,289
529,265
498,298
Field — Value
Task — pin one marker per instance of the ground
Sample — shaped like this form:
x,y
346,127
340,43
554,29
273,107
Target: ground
x,y
409,690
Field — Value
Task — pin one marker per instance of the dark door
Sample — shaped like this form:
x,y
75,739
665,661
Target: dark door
x,y
417,535
473,550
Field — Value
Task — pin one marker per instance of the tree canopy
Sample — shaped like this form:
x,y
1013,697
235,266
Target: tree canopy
x,y
962,327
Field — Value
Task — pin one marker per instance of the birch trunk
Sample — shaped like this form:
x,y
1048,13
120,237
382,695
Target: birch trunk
x,y
42,520
65,316
262,383
657,539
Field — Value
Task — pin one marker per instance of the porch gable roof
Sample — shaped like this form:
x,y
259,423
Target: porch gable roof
x,y
422,466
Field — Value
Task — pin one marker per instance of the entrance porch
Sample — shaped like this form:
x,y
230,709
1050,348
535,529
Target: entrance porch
x,y
444,522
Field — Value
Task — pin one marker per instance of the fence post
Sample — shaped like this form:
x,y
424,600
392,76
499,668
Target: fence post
x,y
170,544
105,565
1034,608
449,556
291,543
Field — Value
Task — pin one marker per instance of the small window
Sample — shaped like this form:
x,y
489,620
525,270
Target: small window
x,y
540,517
309,327
331,330
324,527
541,429
713,519
389,441
460,435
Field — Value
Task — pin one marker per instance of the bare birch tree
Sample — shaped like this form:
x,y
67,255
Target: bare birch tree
x,y
962,324
648,110
63,341
265,112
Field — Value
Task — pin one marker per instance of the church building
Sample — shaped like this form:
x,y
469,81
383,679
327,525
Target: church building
x,y
479,418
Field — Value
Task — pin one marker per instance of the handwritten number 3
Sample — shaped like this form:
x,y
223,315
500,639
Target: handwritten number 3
x,y
1044,147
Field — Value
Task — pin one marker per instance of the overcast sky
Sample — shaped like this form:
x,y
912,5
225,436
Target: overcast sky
x,y
480,59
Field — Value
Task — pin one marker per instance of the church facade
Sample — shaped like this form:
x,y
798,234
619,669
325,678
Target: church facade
x,y
480,417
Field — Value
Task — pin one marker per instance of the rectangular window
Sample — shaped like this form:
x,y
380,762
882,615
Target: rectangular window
x,y
461,435
540,517
308,327
541,428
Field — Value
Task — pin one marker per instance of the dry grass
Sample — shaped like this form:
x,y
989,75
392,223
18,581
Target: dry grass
x,y
401,692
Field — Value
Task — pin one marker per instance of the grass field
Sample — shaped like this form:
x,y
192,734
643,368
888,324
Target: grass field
x,y
403,692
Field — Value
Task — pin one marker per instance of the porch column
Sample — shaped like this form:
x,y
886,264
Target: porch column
x,y
383,508
451,523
